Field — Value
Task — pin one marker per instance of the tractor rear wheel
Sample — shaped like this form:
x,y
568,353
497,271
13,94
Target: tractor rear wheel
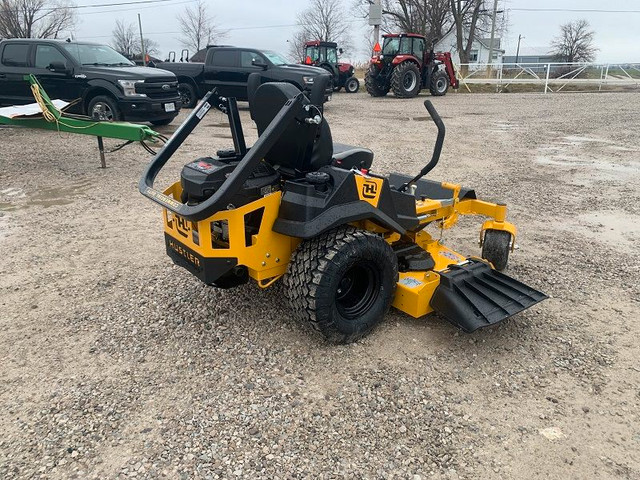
x,y
439,83
405,80
342,282
495,248
352,85
373,87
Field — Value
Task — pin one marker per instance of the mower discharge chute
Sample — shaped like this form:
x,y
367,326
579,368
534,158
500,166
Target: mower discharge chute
x,y
348,243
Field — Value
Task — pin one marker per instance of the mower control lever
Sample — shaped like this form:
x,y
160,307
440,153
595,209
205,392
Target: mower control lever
x,y
436,149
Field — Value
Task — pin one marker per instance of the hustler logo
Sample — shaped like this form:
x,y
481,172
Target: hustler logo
x,y
183,226
369,189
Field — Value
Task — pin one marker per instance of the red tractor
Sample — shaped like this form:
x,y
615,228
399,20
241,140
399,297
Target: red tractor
x,y
325,55
406,66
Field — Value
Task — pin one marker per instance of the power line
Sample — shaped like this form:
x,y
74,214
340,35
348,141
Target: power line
x,y
77,7
226,29
118,10
577,10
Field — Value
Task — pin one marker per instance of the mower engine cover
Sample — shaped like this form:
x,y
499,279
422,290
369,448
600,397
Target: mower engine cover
x,y
201,178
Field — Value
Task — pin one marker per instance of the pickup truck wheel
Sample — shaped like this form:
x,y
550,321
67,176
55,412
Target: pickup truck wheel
x,y
103,108
187,94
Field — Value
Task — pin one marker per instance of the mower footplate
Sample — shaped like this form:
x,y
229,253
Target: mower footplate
x,y
474,295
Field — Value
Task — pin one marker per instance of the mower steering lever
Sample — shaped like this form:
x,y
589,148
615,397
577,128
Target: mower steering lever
x,y
437,149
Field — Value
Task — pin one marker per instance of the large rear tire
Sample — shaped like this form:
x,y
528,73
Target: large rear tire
x,y
439,83
496,247
373,87
405,80
342,282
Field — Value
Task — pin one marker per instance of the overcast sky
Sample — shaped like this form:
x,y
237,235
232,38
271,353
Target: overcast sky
x,y
267,24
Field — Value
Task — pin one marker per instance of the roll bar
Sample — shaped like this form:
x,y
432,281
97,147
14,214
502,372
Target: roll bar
x,y
250,159
437,149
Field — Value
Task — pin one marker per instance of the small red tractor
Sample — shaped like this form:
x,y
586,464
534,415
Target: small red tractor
x,y
405,66
325,55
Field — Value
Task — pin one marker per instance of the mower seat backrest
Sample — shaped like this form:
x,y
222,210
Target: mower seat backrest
x,y
302,147
253,82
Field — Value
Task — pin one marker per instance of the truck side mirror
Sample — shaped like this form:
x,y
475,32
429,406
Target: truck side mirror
x,y
256,62
59,67
340,51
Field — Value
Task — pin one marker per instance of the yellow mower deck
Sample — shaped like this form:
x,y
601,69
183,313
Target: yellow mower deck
x,y
267,254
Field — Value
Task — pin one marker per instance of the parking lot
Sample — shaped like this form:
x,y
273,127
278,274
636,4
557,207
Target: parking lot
x,y
117,364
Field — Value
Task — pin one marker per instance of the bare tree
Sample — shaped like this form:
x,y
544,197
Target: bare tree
x,y
151,46
431,18
466,17
575,42
124,39
296,45
324,20
198,27
35,18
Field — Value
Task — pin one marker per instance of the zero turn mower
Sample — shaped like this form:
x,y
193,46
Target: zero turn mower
x,y
348,243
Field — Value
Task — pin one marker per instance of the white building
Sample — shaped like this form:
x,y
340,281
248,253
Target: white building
x,y
479,49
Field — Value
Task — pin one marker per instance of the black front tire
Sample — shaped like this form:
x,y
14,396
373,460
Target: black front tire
x,y
188,95
439,83
342,282
496,247
352,85
104,108
405,80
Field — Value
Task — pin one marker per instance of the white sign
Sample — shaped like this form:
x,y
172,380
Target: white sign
x,y
375,14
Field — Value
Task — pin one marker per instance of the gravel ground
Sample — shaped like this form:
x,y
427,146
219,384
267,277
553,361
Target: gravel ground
x,y
116,364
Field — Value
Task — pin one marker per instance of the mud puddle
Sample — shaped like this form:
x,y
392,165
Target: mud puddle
x,y
574,162
614,228
12,199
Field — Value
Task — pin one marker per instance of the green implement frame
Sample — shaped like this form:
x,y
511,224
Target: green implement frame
x,y
62,122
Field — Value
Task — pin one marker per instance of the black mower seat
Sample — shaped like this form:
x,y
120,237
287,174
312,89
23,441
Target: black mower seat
x,y
348,156
302,148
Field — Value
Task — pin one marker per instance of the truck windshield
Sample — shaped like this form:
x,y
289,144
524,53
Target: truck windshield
x,y
275,58
102,55
391,45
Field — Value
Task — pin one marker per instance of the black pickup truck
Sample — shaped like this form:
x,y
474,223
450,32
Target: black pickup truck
x,y
109,86
228,69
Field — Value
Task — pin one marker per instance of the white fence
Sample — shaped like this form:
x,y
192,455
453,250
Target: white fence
x,y
550,77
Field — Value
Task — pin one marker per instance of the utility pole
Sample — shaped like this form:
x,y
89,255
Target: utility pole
x,y
375,19
493,30
520,37
144,52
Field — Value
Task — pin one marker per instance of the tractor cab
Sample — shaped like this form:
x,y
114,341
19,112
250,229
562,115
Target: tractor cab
x,y
405,45
325,55
316,53
406,65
